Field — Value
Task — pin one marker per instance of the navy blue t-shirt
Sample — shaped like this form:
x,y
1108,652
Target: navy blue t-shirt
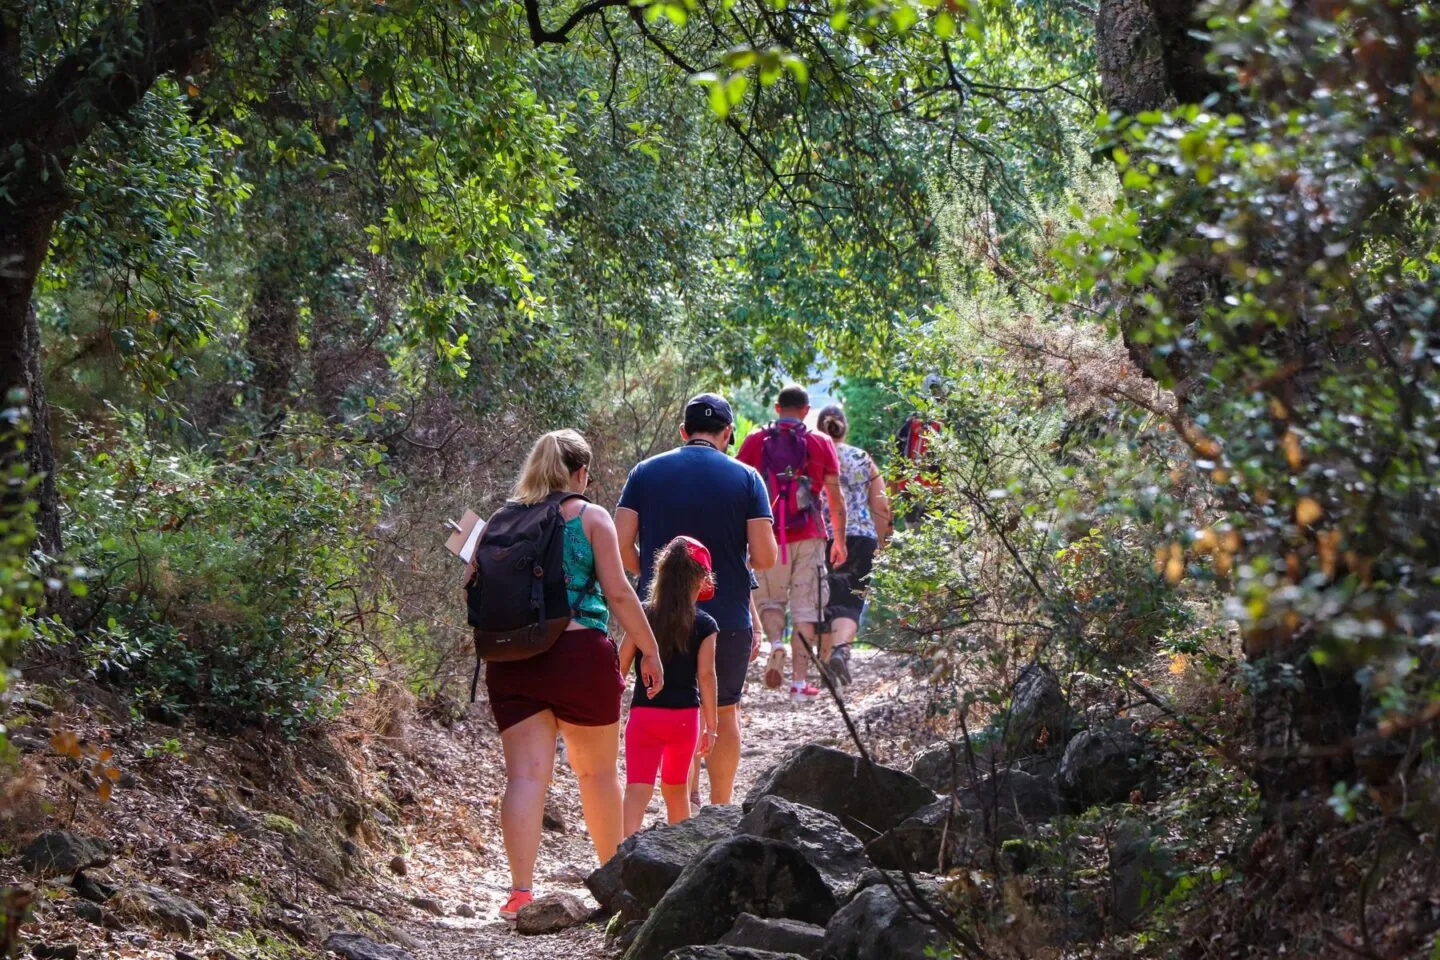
x,y
697,491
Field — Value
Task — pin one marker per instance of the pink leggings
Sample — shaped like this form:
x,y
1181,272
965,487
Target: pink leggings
x,y
660,739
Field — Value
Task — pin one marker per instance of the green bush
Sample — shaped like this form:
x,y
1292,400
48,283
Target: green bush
x,y
231,586
875,413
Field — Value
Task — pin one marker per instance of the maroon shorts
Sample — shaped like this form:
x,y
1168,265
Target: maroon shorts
x,y
578,679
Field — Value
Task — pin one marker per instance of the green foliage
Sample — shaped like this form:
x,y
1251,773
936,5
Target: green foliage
x,y
1274,259
126,271
231,587
167,748
874,415
1054,490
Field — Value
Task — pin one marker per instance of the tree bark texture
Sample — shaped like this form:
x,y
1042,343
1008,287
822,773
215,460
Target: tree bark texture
x,y
1148,57
273,339
43,124
1149,61
24,241
1130,52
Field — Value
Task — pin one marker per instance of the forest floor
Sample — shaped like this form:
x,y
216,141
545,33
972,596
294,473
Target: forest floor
x,y
387,825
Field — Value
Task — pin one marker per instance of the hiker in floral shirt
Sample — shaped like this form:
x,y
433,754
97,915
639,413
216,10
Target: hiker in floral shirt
x,y
867,528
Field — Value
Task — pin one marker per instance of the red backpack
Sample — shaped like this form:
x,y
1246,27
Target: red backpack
x,y
784,454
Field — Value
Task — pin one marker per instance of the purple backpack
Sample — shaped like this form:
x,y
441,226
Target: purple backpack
x,y
784,453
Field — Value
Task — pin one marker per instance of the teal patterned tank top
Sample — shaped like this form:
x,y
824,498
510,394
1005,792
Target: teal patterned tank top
x,y
580,580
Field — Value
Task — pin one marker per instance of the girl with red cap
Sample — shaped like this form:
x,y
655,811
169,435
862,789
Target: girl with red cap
x,y
661,735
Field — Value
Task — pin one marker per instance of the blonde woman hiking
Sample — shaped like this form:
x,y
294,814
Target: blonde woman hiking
x,y
572,686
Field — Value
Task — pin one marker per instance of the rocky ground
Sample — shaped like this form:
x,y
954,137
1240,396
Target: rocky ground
x,y
1064,828
386,827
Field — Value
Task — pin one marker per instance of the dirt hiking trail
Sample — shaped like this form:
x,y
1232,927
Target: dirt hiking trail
x,y
384,824
771,726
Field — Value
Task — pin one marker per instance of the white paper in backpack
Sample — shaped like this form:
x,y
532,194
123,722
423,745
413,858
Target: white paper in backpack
x,y
465,536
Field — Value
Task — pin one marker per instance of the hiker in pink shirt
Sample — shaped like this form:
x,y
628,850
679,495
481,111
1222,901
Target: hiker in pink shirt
x,y
799,466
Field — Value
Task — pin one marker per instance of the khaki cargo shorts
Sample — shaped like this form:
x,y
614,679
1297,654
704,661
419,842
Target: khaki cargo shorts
x,y
802,584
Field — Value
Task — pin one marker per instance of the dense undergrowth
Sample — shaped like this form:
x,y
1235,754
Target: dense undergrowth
x,y
233,583
1185,426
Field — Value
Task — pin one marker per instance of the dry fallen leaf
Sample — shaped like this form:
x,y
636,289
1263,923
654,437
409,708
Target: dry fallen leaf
x,y
1291,445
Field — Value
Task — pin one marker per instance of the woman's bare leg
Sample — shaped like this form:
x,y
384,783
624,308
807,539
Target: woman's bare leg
x,y
827,644
842,631
529,760
695,772
594,754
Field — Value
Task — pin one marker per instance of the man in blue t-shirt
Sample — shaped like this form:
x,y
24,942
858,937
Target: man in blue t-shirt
x,y
698,491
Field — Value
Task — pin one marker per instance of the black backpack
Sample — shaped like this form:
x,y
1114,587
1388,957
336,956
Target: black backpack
x,y
517,599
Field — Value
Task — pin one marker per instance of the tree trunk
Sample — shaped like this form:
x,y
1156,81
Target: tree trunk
x,y
24,241
1150,61
1149,57
101,75
273,340
1130,51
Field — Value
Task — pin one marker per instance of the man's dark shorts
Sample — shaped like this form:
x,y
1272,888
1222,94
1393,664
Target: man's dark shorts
x,y
732,660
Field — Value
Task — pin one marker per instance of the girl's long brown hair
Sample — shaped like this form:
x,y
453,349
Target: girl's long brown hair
x,y
670,602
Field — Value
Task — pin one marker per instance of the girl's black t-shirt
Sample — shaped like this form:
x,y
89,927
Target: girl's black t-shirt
x,y
682,683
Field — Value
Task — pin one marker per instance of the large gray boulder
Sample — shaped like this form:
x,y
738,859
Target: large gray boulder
x,y
1016,794
1142,873
829,847
57,853
945,766
766,878
91,887
1103,766
1037,706
868,799
647,863
775,933
932,840
876,926
928,888
160,907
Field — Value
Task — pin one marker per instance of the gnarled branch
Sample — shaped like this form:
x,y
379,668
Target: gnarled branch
x,y
539,35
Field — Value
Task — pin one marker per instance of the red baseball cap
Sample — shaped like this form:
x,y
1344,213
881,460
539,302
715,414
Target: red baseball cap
x,y
701,555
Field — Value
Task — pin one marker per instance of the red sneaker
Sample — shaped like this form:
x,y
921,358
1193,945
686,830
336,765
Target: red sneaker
x,y
518,899
799,694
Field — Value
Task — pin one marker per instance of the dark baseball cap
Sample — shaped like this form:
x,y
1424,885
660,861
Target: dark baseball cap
x,y
707,413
